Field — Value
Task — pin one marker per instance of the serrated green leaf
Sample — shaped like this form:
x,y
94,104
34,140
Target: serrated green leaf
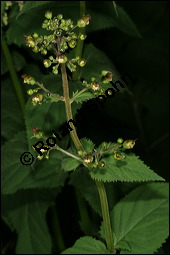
x,y
131,169
124,23
96,62
115,8
30,6
87,144
88,189
16,176
18,59
84,97
140,220
69,164
87,245
12,118
27,213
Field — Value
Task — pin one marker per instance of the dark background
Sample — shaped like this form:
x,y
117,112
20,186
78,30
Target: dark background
x,y
143,115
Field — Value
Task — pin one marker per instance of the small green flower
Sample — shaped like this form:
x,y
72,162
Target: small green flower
x,y
118,156
88,158
36,99
95,85
39,157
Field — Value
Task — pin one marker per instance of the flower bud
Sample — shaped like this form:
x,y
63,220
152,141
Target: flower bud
x,y
55,69
129,144
80,153
59,16
48,14
44,52
82,36
84,21
36,49
47,63
30,92
104,73
39,157
107,78
120,140
61,59
81,62
35,35
101,164
30,41
72,43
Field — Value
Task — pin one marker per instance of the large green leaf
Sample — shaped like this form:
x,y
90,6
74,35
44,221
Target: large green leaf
x,y
12,119
69,164
103,16
15,175
26,211
131,169
140,220
124,23
96,62
87,245
18,59
30,6
88,189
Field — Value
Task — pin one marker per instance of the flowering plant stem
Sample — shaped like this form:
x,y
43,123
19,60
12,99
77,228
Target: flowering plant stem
x,y
80,42
100,185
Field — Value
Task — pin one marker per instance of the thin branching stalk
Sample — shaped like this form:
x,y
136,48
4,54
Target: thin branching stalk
x,y
100,185
79,47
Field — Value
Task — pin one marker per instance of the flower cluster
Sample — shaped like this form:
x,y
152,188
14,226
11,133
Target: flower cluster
x,y
94,159
96,83
62,38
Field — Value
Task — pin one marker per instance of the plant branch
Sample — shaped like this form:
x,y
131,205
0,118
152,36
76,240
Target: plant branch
x,y
56,147
106,217
100,185
78,94
13,74
68,108
47,91
79,47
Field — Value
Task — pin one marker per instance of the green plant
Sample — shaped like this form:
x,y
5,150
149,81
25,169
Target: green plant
x,y
132,224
